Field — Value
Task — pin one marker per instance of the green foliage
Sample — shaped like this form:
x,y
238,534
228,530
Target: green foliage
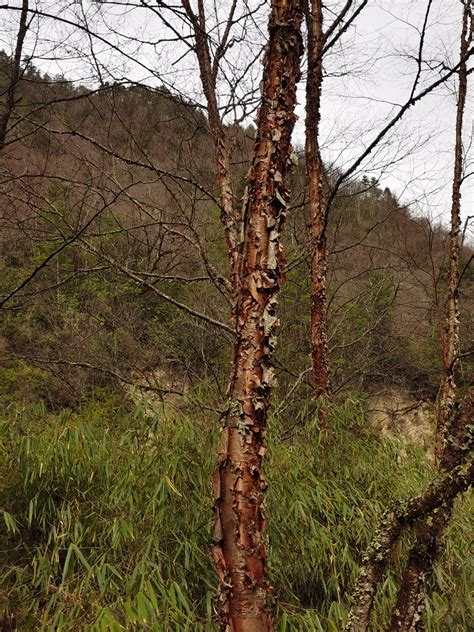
x,y
105,523
80,310
20,380
106,520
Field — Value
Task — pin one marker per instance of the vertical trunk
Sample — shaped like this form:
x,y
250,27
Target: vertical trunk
x,y
15,75
408,612
315,195
239,544
447,388
208,74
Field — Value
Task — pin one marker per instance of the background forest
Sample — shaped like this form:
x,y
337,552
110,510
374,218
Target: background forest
x,y
115,350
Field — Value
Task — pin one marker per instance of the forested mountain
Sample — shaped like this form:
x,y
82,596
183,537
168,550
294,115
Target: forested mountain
x,y
143,235
120,311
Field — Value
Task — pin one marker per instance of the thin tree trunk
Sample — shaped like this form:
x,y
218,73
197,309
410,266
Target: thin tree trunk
x,y
315,196
208,72
408,613
239,549
447,388
9,105
409,609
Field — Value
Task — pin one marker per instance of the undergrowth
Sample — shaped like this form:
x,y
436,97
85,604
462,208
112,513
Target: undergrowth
x,y
106,521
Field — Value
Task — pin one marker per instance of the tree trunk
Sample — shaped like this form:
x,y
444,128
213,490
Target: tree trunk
x,y
208,73
447,388
431,503
15,75
239,544
409,609
408,612
315,197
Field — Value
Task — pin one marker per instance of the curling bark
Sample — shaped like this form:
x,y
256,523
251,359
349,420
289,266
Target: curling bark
x,y
239,544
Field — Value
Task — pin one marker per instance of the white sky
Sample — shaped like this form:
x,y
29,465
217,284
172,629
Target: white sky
x,y
387,30
367,74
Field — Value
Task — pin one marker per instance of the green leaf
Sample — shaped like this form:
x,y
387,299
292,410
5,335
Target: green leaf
x,y
68,568
10,522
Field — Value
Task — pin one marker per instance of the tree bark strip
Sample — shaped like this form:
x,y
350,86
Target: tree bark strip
x,y
315,196
239,544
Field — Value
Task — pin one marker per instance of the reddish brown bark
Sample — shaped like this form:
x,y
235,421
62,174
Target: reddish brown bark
x,y
315,196
15,75
239,544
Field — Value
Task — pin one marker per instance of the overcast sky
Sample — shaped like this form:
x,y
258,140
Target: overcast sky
x,y
388,31
366,76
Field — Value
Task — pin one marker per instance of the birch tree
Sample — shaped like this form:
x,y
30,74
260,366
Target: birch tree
x,y
239,549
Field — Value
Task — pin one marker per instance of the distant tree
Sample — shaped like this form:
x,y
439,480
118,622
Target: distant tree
x,y
319,43
315,196
13,70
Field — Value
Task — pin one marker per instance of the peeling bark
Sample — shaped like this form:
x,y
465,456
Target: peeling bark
x,y
315,196
15,75
239,549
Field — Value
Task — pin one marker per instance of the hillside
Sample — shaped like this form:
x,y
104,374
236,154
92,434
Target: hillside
x,y
115,354
119,191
